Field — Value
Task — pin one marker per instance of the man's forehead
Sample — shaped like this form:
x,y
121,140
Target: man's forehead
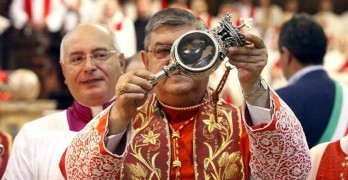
x,y
90,28
88,31
88,38
166,35
88,34
85,46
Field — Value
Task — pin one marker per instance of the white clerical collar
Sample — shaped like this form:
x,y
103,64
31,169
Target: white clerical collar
x,y
95,110
294,78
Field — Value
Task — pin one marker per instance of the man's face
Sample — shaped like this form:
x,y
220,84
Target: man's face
x,y
158,55
92,80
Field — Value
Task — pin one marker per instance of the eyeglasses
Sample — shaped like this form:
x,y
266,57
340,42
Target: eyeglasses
x,y
161,53
98,57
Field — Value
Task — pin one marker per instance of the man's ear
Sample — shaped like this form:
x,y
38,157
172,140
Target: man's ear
x,y
287,55
145,59
122,62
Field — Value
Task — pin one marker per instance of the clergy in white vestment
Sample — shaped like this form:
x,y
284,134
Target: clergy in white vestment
x,y
91,63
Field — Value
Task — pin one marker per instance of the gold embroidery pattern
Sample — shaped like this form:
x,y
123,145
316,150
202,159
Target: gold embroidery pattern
x,y
137,170
221,163
150,138
229,161
212,125
145,145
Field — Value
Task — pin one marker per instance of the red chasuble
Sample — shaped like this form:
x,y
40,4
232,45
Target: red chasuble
x,y
220,146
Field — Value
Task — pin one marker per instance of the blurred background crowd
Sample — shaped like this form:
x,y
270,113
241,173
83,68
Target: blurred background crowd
x,y
31,31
